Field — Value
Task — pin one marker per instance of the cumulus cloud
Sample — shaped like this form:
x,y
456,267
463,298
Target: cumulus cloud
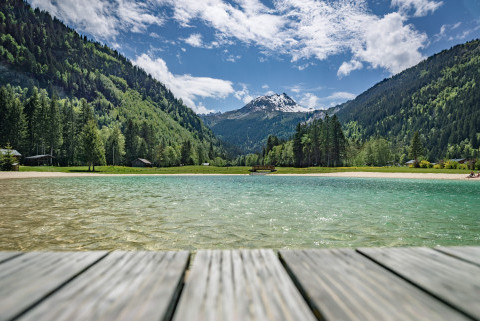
x,y
102,19
347,67
250,21
420,8
243,94
311,101
390,44
187,87
195,40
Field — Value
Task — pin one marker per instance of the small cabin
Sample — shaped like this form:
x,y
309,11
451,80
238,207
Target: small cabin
x,y
141,162
256,168
38,160
410,162
15,153
458,160
205,164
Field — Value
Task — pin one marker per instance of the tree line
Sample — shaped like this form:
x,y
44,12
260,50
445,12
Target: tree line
x,y
34,123
319,143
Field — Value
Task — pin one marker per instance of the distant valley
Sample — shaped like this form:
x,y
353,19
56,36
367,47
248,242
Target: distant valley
x,y
248,128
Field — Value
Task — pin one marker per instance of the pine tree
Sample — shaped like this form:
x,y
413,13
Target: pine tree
x,y
115,147
297,146
93,152
416,148
185,153
54,136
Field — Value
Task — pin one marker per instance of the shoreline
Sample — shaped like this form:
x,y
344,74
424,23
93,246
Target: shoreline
x,y
443,176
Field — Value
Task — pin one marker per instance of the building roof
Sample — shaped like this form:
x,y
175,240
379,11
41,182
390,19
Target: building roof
x,y
39,156
410,161
457,160
14,152
144,161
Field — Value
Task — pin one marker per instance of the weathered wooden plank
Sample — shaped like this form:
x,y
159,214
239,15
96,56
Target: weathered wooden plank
x,y
123,286
240,285
340,284
28,278
5,256
452,280
467,253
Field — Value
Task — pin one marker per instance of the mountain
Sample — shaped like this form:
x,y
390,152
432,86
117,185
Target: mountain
x,y
38,51
272,104
439,98
249,127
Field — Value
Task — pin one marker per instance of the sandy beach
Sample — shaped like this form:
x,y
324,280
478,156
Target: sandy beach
x,y
19,175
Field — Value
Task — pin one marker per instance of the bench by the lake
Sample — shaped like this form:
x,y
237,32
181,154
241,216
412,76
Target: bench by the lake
x,y
257,168
442,283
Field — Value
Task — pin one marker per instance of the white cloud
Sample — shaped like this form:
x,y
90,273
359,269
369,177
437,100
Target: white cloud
x,y
187,87
232,58
303,30
101,18
390,44
310,100
347,67
341,95
250,21
315,29
421,8
195,40
243,94
265,86
201,109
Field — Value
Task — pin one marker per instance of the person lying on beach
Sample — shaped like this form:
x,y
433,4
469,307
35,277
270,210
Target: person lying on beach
x,y
472,175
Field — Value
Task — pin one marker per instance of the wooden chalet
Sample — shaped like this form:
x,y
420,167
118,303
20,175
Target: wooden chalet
x,y
38,160
141,162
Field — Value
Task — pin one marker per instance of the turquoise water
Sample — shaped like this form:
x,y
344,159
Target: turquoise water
x,y
197,212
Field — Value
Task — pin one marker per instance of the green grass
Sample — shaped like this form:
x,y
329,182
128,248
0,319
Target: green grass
x,y
232,170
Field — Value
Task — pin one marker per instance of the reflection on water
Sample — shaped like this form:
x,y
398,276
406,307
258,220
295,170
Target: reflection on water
x,y
193,212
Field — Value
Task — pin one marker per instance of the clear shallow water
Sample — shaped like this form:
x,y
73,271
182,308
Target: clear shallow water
x,y
197,212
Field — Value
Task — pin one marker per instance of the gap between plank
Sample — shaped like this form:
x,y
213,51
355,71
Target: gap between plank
x,y
48,294
415,284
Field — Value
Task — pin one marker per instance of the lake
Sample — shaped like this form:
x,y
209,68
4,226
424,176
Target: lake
x,y
217,212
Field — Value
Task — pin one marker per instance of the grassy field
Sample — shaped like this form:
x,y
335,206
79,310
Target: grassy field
x,y
233,170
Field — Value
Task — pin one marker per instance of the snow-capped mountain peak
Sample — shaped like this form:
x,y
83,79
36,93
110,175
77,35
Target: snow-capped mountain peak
x,y
282,103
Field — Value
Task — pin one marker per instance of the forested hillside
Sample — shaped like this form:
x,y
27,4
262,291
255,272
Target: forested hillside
x,y
439,98
39,52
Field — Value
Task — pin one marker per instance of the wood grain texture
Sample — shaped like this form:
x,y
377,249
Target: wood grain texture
x,y
452,280
467,253
5,256
341,284
28,278
240,285
123,286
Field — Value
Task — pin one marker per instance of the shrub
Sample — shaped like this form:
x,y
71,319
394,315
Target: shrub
x,y
438,166
425,164
451,165
462,166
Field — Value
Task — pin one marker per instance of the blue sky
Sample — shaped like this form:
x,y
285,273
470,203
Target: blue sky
x,y
218,54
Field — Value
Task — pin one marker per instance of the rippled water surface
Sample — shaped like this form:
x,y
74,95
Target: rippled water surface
x,y
193,212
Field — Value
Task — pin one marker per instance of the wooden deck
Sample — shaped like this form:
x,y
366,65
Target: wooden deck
x,y
331,284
